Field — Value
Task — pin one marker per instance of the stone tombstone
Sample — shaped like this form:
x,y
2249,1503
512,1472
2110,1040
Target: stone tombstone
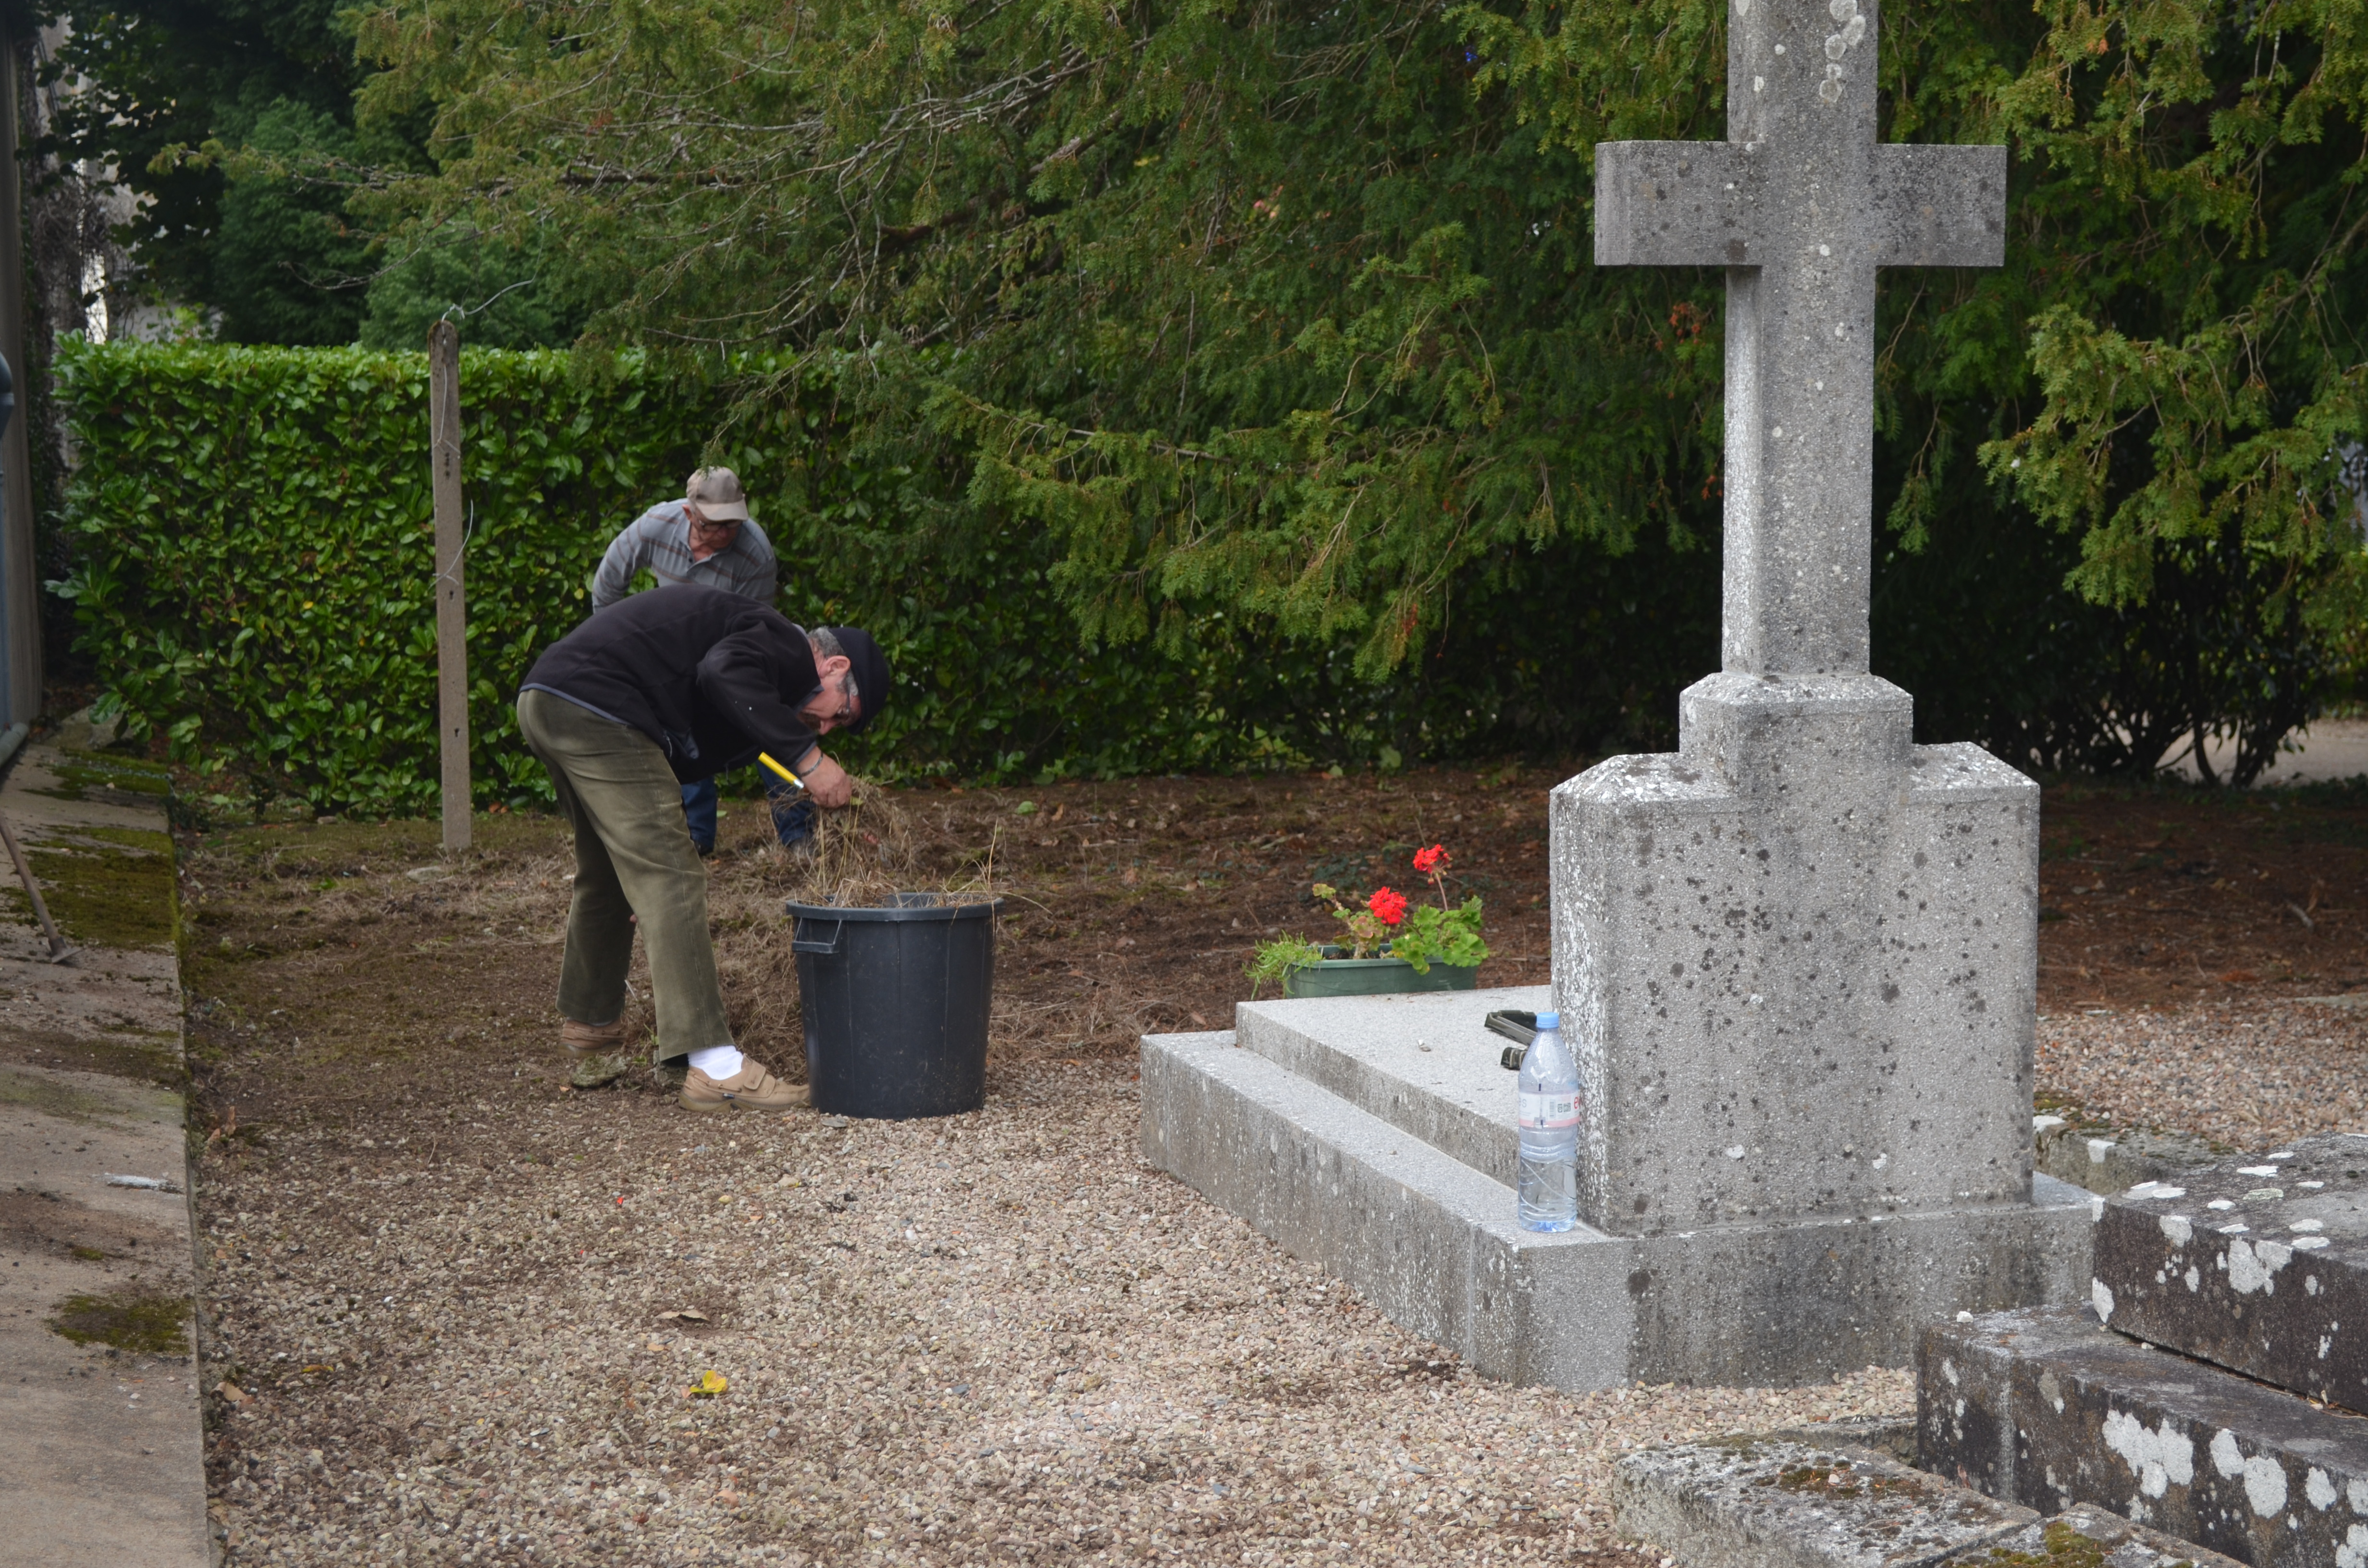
x,y
1799,956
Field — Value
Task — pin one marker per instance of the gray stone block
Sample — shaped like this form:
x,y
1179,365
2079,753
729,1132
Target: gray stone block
x,y
2109,1163
2256,1262
1317,1140
2047,1409
1777,1501
1798,960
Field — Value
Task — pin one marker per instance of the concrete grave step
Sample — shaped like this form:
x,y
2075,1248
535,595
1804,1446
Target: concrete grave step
x,y
2045,1408
2256,1262
1423,1061
1330,1127
1804,1500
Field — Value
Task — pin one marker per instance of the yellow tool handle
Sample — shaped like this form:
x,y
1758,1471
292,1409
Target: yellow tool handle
x,y
777,768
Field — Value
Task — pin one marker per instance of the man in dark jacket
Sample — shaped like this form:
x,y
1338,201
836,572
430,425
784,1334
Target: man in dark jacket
x,y
662,689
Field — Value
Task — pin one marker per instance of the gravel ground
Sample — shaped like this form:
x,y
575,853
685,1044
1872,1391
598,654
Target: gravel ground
x,y
2245,1074
997,1338
441,1284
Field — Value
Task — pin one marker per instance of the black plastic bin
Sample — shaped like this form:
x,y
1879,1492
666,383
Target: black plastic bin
x,y
895,1001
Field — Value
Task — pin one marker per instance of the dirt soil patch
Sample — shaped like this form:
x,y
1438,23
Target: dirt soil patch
x,y
2181,931
2161,898
459,1306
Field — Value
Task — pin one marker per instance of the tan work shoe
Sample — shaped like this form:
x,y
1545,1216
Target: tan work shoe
x,y
591,1039
751,1087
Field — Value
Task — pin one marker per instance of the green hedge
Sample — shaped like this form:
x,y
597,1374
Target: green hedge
x,y
251,536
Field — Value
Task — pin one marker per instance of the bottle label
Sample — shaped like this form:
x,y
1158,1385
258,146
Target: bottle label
x,y
1549,1113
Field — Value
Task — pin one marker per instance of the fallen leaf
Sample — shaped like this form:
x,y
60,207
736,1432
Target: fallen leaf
x,y
232,1392
688,1314
1200,1020
710,1384
316,1367
2239,977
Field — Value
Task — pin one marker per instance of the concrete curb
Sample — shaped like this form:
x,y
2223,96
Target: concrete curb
x,y
101,1433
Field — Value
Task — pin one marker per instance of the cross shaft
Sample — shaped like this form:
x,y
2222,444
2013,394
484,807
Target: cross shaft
x,y
1801,204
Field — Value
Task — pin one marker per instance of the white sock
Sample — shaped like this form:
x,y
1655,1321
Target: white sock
x,y
719,1062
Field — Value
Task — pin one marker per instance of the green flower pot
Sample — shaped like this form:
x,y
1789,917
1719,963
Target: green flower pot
x,y
1376,977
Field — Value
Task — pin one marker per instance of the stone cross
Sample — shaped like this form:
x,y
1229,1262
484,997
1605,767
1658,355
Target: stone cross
x,y
1800,204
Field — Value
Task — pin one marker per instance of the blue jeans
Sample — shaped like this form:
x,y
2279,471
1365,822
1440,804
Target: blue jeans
x,y
792,813
699,810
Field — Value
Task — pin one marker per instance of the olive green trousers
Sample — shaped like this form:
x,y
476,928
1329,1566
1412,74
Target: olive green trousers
x,y
633,857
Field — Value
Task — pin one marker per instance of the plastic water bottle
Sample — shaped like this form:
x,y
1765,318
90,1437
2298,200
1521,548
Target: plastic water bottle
x,y
1550,1107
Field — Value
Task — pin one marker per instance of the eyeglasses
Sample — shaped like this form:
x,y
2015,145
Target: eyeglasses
x,y
846,703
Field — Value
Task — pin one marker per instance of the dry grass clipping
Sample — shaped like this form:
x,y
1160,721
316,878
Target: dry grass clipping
x,y
873,848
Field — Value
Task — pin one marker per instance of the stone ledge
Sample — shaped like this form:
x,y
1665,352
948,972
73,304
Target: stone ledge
x,y
2046,1409
1775,1502
2257,1263
1804,1499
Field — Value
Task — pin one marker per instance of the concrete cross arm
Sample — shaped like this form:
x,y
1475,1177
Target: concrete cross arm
x,y
1939,206
1696,204
1673,204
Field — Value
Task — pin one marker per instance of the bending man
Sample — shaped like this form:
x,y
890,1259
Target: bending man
x,y
707,538
662,689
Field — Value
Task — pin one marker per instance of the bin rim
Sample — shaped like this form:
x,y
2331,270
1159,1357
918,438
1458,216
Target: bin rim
x,y
868,912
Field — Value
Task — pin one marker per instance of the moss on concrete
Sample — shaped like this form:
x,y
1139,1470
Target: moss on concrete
x,y
2065,1548
151,1056
105,887
90,775
52,1096
139,1320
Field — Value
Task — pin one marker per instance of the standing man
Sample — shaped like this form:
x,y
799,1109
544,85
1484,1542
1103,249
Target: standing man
x,y
660,689
707,538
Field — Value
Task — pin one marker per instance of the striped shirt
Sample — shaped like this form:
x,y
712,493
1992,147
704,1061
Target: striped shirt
x,y
658,542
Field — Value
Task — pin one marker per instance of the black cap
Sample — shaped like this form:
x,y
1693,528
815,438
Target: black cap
x,y
869,670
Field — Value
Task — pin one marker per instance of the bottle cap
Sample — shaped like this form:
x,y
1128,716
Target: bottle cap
x,y
1549,1020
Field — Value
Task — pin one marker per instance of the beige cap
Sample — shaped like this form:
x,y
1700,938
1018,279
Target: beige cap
x,y
716,492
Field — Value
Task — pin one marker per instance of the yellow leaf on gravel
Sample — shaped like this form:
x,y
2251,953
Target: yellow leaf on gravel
x,y
710,1384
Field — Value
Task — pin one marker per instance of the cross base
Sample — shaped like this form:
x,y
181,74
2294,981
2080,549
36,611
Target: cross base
x,y
1798,960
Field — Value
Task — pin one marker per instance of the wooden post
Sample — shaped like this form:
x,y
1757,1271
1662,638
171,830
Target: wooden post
x,y
451,608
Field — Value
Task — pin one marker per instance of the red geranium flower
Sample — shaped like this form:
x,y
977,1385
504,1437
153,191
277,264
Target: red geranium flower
x,y
1387,906
1428,860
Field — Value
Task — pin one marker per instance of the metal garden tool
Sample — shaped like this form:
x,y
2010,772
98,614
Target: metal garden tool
x,y
59,949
